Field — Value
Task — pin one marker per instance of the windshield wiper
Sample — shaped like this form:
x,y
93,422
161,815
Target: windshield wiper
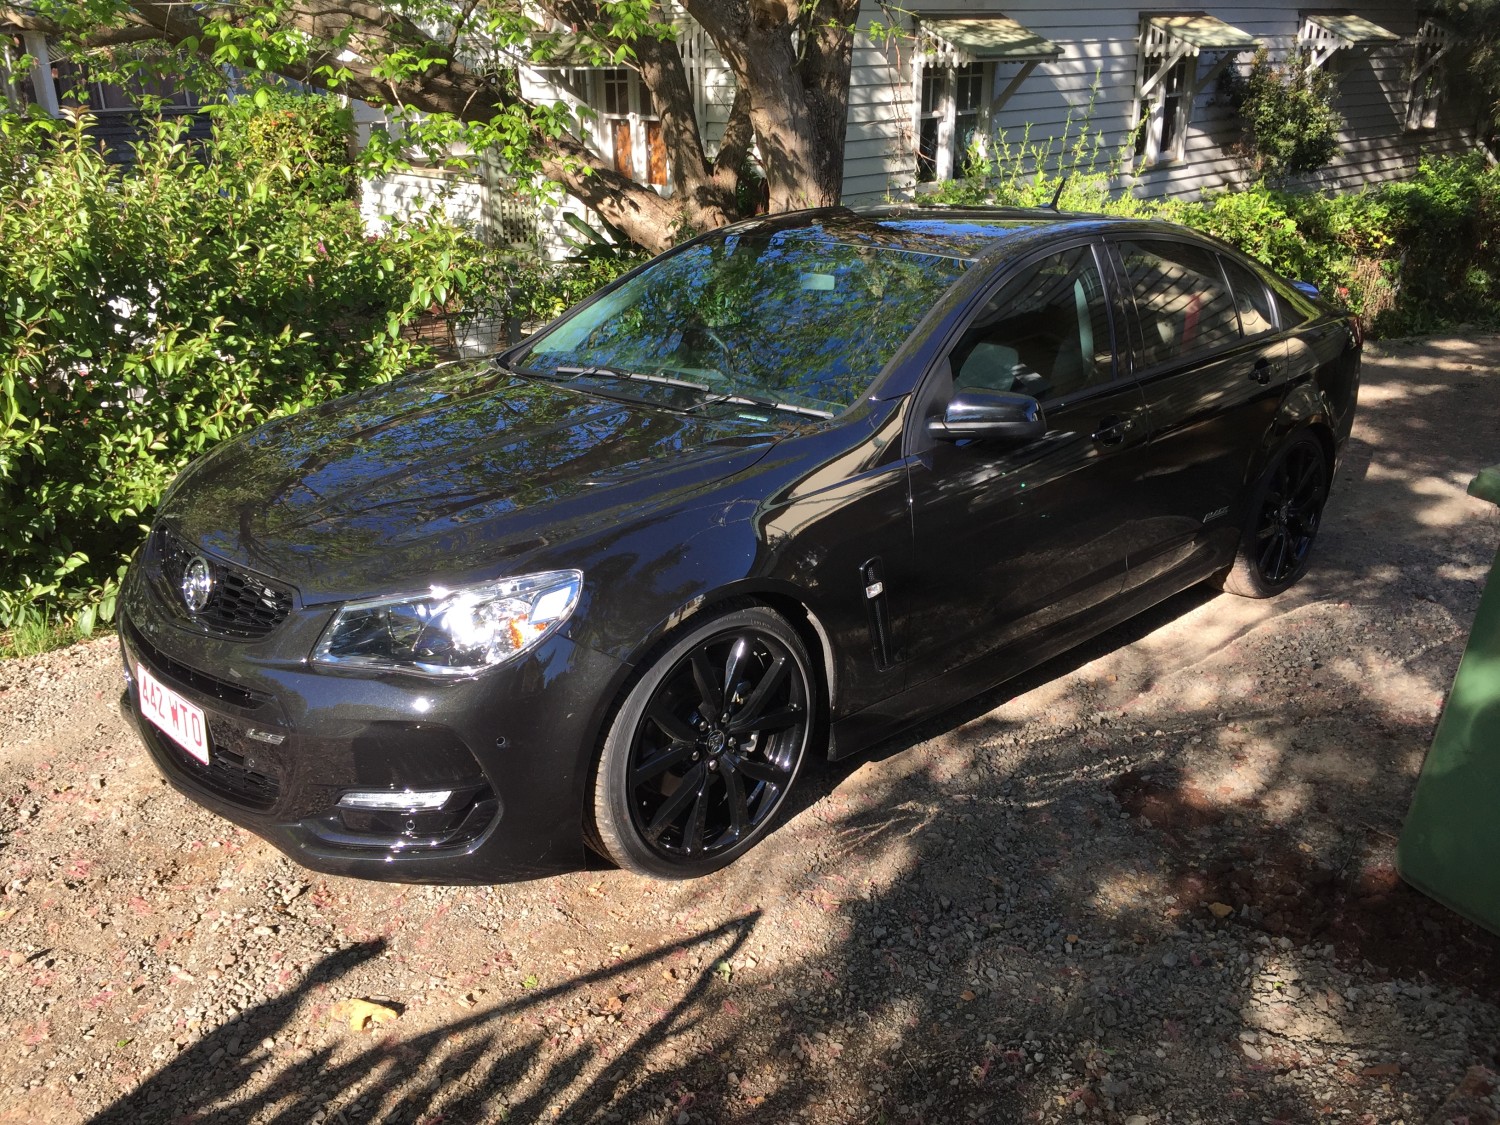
x,y
636,376
764,404
712,397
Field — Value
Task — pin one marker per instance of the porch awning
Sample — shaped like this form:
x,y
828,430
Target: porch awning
x,y
1349,30
1190,35
977,39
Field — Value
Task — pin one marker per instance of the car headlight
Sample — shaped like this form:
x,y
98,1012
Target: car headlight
x,y
451,632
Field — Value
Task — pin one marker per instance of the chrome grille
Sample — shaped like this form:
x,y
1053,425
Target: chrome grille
x,y
241,605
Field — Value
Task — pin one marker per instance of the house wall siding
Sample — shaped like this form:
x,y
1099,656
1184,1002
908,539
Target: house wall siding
x,y
1095,80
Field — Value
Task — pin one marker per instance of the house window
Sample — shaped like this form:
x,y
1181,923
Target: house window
x,y
1433,41
76,88
628,135
1163,112
1169,78
950,119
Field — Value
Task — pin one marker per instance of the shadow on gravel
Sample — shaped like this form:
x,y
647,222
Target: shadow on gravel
x,y
194,1074
481,1052
1076,926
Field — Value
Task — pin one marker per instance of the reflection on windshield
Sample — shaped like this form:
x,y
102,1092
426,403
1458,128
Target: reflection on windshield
x,y
806,317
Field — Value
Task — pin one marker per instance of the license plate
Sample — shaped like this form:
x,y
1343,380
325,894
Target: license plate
x,y
178,719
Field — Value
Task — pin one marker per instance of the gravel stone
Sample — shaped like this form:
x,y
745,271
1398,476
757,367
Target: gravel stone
x,y
1151,882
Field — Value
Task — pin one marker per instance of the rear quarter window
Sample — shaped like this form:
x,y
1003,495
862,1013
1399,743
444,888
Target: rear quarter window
x,y
1251,297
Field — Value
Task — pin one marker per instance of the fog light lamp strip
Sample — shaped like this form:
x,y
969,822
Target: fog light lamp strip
x,y
405,800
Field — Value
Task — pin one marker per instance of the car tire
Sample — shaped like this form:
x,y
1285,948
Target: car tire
x,y
1281,521
705,747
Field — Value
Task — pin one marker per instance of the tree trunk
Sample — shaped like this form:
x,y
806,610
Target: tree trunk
x,y
793,108
828,48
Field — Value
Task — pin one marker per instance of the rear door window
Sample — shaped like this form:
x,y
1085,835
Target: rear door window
x,y
1183,303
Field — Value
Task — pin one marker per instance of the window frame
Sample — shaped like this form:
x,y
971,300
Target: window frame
x,y
1427,86
1225,260
933,390
1162,51
978,319
1152,117
1200,355
638,122
947,161
107,100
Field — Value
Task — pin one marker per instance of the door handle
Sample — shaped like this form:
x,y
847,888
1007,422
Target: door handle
x,y
1261,372
1112,430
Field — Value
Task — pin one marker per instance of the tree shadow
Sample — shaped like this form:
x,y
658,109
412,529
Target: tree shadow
x,y
423,1066
1139,880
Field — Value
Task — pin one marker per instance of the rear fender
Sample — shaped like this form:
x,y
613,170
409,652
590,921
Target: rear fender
x,y
1304,407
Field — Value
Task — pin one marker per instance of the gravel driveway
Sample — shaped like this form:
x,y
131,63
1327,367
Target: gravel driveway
x,y
1151,883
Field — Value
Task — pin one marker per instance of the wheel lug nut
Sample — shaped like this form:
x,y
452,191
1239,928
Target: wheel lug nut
x,y
713,764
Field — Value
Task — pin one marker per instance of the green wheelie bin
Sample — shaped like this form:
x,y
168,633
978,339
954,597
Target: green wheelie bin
x,y
1450,844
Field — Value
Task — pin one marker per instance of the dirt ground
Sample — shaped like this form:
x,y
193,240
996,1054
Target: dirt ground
x,y
1150,883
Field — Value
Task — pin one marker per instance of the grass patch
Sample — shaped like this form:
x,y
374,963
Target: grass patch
x,y
41,635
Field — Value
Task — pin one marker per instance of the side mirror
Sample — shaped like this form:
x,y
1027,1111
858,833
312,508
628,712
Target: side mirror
x,y
990,416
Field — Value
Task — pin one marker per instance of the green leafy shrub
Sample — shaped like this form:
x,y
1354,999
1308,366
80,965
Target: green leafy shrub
x,y
1286,110
147,312
1408,256
308,141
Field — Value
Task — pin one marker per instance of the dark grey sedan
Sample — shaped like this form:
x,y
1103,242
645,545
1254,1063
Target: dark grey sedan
x,y
781,491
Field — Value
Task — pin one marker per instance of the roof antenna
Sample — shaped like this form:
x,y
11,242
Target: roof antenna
x,y
1057,195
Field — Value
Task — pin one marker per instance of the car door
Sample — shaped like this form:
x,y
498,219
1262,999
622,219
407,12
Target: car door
x,y
1014,541
1211,366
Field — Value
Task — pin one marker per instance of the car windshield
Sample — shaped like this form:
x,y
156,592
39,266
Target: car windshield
x,y
806,317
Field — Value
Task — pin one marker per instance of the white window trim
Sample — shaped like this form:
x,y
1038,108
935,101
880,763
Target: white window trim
x,y
1151,104
1150,92
637,99
1425,92
946,114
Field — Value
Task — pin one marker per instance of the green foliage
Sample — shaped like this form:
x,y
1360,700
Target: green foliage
x,y
147,312
1073,171
260,39
307,141
1409,256
1476,53
539,291
40,633
1290,125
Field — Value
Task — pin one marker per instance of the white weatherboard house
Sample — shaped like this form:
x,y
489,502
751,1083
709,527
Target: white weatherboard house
x,y
927,79
914,101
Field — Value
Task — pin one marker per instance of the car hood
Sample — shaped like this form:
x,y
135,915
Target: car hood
x,y
448,476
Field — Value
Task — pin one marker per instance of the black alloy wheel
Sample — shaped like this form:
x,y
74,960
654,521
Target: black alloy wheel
x,y
1285,513
705,749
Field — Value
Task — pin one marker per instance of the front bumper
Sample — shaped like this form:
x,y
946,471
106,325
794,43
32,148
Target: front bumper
x,y
514,746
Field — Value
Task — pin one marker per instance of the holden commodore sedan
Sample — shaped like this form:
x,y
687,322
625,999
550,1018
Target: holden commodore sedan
x,y
780,492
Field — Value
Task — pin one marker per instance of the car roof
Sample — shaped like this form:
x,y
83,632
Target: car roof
x,y
979,234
